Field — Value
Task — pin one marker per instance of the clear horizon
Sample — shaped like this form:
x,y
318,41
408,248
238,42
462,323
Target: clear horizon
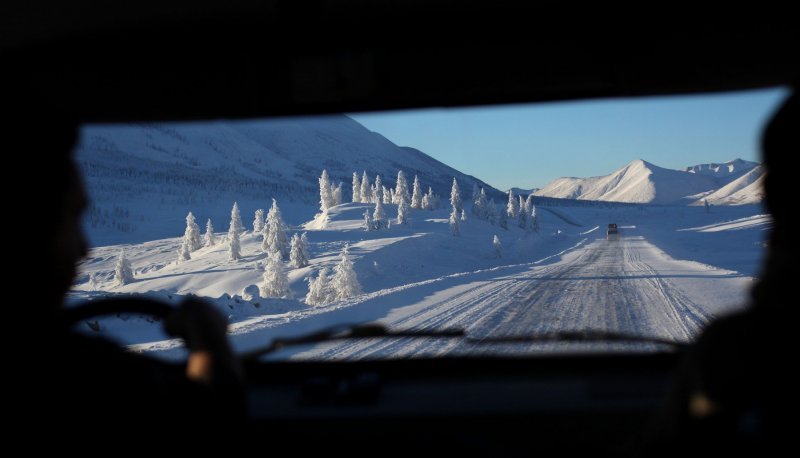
x,y
583,138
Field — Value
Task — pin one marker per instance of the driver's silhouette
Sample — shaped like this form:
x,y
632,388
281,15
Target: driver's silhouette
x,y
89,384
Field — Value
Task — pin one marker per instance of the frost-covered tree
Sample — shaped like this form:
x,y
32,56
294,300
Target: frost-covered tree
x,y
319,289
416,196
520,204
184,252
401,189
191,235
297,255
379,216
402,211
455,197
426,203
387,195
123,273
275,239
234,231
463,215
528,204
258,221
503,220
498,247
534,219
366,190
377,190
345,282
325,194
368,226
454,229
512,209
208,237
480,205
475,191
336,193
276,281
430,201
356,188
304,246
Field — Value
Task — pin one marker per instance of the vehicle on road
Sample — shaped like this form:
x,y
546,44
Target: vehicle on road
x,y
613,232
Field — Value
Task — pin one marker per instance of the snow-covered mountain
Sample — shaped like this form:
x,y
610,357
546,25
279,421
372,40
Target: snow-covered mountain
x,y
143,179
747,189
726,170
643,182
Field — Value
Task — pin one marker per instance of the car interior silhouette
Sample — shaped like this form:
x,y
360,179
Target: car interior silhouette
x,y
193,61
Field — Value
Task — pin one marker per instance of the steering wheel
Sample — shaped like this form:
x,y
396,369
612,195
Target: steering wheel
x,y
73,315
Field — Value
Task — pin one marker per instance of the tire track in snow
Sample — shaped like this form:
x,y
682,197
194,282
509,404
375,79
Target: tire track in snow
x,y
604,286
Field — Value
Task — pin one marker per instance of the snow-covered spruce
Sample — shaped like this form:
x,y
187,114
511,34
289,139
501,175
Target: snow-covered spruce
x,y
276,281
304,246
430,201
275,239
401,189
379,216
416,196
402,211
344,283
455,197
377,190
512,209
184,253
498,247
325,195
123,273
480,206
208,237
336,194
367,225
319,289
234,231
297,254
366,190
534,219
387,195
191,235
454,229
463,215
258,222
356,188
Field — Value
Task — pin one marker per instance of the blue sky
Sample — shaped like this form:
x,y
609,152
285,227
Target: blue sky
x,y
530,145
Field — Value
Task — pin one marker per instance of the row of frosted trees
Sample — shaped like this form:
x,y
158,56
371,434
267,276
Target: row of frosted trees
x,y
277,247
519,210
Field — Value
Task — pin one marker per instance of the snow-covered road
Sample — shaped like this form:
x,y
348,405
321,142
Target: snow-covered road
x,y
629,286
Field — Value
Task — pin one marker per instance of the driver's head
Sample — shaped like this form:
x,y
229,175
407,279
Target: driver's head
x,y
42,139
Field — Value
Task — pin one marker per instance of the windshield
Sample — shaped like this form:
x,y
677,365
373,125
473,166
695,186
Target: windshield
x,y
632,217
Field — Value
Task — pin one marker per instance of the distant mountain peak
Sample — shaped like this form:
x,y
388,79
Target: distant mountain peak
x,y
737,167
641,181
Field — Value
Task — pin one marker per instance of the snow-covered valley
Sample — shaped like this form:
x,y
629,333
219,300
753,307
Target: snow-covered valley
x,y
690,248
674,269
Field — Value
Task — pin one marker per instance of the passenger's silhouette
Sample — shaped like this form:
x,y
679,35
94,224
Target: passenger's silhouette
x,y
736,391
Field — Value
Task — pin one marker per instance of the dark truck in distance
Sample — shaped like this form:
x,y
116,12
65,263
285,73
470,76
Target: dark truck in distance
x,y
613,232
